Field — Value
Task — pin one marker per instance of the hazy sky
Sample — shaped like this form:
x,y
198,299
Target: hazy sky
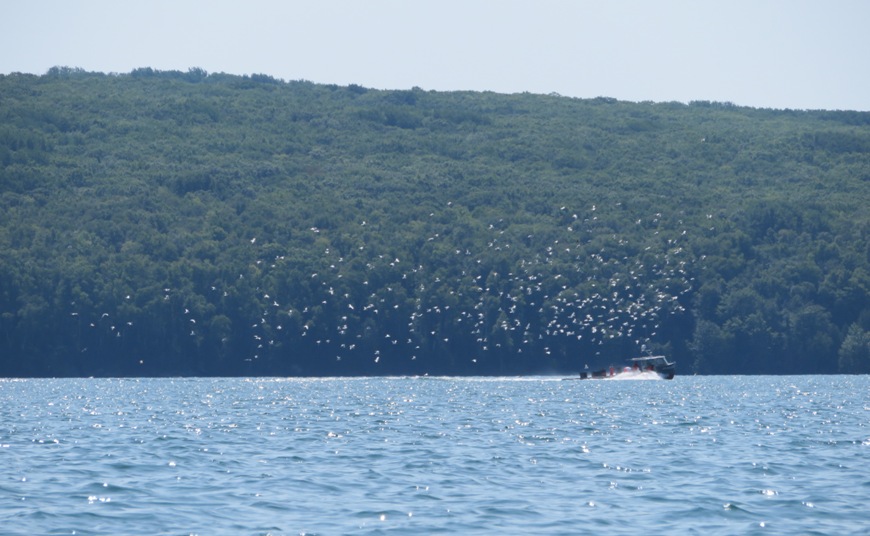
x,y
764,53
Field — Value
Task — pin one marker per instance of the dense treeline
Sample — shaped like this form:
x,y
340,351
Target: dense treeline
x,y
157,223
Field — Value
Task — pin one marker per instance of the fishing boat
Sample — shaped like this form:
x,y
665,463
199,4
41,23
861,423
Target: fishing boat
x,y
654,367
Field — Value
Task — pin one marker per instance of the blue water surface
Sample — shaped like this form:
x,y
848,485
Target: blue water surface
x,y
696,455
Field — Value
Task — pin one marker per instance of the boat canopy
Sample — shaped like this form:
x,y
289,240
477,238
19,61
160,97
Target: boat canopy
x,y
651,359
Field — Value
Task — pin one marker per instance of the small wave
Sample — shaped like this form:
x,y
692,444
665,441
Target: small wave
x,y
469,455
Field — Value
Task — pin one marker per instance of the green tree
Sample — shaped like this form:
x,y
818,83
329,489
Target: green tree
x,y
854,354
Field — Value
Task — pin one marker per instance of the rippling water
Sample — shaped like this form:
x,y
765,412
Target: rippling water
x,y
711,455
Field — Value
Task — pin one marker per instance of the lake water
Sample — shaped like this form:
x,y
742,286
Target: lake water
x,y
696,455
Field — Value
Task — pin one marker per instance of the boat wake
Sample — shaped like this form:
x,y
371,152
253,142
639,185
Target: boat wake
x,y
636,375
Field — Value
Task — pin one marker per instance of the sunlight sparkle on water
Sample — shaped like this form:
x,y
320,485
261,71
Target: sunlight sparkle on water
x,y
436,445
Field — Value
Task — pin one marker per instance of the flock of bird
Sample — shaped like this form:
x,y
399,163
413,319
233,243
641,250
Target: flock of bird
x,y
497,299
582,285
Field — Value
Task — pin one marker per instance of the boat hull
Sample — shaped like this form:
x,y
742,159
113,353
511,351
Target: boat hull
x,y
643,368
630,375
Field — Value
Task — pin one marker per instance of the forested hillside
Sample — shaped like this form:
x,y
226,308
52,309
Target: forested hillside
x,y
164,223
